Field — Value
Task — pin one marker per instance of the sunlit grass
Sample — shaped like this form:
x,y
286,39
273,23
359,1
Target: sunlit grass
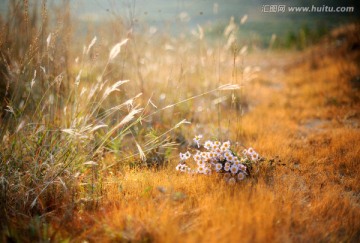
x,y
91,138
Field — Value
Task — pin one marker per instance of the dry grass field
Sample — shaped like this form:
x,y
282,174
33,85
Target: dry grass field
x,y
91,136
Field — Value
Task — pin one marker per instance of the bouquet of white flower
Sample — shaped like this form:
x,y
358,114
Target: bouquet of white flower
x,y
218,157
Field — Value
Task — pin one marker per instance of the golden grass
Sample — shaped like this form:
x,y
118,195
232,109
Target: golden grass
x,y
71,168
310,194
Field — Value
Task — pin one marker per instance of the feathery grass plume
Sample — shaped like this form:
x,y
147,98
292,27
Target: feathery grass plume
x,y
20,126
74,132
152,103
48,40
33,80
107,92
243,50
129,117
90,163
230,40
93,91
230,28
182,122
229,87
113,88
93,41
272,40
244,19
77,80
129,104
230,33
200,33
10,109
141,152
116,49
219,100
97,127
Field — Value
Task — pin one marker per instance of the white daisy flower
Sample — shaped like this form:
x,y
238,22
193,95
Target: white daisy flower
x,y
236,161
197,157
217,155
245,152
214,147
223,149
225,146
218,167
230,159
241,176
200,170
204,155
234,169
198,137
201,163
227,166
221,158
242,167
185,156
183,168
232,181
217,143
178,167
227,154
211,154
207,171
250,151
254,157
197,140
208,145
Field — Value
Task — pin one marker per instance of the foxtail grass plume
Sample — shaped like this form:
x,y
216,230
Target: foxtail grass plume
x,y
93,41
141,152
243,19
77,80
231,27
182,122
114,87
33,80
48,40
229,87
116,49
90,163
243,50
